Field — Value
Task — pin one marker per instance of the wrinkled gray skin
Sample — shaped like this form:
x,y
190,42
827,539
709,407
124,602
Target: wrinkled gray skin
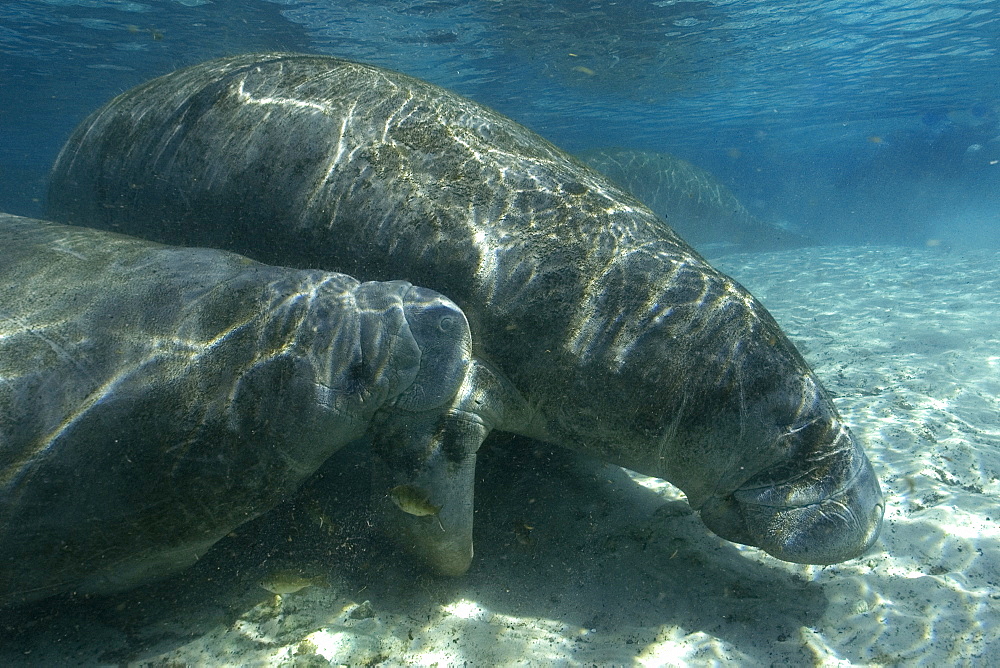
x,y
696,204
623,341
153,398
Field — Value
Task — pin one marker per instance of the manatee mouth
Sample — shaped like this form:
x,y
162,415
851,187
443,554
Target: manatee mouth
x,y
806,520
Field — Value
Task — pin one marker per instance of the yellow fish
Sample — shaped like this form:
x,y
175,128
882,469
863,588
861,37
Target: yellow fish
x,y
415,501
289,582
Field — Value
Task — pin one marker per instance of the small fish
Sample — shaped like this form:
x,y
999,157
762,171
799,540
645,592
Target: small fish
x,y
415,501
289,582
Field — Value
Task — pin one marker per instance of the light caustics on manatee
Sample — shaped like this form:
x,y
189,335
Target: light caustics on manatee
x,y
595,325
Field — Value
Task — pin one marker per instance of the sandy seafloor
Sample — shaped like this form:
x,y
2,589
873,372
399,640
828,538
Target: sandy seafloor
x,y
579,563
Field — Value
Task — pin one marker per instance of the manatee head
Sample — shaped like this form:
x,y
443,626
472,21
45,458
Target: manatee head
x,y
798,485
416,346
698,385
821,507
425,440
442,334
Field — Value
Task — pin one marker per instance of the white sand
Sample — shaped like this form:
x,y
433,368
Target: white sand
x,y
576,564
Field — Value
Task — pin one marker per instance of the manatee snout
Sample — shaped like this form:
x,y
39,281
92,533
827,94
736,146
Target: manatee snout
x,y
425,442
828,511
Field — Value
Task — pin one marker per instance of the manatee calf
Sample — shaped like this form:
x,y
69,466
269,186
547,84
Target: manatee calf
x,y
698,206
623,342
152,398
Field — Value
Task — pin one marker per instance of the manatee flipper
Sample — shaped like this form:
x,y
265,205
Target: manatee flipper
x,y
435,452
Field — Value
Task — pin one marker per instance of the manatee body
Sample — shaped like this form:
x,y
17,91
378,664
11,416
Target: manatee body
x,y
699,208
620,339
153,398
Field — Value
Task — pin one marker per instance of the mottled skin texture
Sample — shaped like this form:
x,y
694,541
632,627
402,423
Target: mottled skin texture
x,y
698,206
624,342
153,398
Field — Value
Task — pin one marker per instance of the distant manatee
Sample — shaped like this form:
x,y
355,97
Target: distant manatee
x,y
620,339
153,398
692,201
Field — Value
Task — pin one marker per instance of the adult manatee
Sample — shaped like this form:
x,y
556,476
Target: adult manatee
x,y
698,206
152,398
624,342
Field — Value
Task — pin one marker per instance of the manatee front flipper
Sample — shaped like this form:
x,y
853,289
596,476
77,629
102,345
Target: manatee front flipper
x,y
425,444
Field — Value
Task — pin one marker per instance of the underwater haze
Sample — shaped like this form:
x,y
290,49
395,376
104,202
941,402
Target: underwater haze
x,y
851,121
841,160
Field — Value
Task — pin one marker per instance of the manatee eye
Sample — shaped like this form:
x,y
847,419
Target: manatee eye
x,y
441,333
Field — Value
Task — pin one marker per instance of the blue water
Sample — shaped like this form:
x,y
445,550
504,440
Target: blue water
x,y
869,121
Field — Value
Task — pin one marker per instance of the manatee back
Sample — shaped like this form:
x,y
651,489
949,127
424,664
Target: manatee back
x,y
580,295
316,161
624,341
695,203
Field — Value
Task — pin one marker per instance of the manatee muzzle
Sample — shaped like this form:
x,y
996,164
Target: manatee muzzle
x,y
810,518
